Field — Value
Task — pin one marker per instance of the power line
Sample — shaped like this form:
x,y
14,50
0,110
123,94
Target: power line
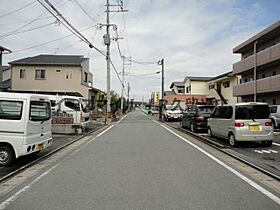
x,y
84,11
51,8
16,10
29,23
143,62
27,30
48,42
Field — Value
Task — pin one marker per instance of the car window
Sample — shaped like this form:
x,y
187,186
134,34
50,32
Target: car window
x,y
205,109
273,109
11,110
216,113
251,112
227,112
40,111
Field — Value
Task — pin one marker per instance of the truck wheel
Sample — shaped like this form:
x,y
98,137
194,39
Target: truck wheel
x,y
267,143
232,140
193,128
210,134
7,156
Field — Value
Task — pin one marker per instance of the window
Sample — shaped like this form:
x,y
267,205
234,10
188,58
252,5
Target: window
x,y
274,73
251,112
226,84
58,71
85,76
246,80
273,109
69,75
40,111
10,110
211,87
263,75
274,101
40,74
22,74
73,104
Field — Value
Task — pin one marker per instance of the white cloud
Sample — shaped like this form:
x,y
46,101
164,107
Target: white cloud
x,y
195,37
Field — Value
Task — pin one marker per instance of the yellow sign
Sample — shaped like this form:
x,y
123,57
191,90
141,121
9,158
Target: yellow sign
x,y
157,98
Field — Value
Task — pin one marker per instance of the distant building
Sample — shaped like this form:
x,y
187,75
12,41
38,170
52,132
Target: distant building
x,y
221,89
190,90
53,74
6,78
267,44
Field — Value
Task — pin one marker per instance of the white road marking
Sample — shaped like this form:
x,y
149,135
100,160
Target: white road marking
x,y
111,126
276,144
258,151
266,151
241,176
12,198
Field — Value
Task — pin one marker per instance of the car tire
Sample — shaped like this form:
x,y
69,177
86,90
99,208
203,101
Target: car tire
x,y
273,123
267,143
7,156
192,128
210,134
232,140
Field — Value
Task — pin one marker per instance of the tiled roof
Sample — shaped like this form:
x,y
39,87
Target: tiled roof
x,y
198,78
67,60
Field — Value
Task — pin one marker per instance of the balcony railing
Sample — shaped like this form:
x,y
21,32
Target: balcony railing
x,y
263,57
269,84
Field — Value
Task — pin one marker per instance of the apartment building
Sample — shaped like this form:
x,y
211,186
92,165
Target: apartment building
x,y
260,52
221,89
53,74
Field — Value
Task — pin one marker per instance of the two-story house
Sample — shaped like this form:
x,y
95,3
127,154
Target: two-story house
x,y
221,89
53,74
190,90
260,59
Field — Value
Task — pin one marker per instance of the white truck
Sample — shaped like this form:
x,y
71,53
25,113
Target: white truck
x,y
71,105
25,125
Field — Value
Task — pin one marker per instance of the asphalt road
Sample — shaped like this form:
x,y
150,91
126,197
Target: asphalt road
x,y
267,158
138,164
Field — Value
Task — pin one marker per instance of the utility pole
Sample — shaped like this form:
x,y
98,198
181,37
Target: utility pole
x,y
107,42
128,90
161,62
122,84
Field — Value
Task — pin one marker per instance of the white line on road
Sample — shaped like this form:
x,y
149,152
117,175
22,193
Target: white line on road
x,y
11,199
105,131
241,176
276,144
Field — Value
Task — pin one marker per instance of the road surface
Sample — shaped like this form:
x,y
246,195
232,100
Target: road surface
x,y
138,164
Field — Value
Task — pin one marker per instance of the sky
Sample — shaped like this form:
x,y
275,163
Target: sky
x,y
194,37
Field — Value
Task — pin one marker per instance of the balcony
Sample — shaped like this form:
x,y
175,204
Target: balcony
x,y
263,57
266,85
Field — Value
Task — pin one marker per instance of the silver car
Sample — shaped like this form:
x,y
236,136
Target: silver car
x,y
275,115
242,122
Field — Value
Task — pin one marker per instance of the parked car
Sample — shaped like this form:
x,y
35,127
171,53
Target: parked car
x,y
25,125
242,122
171,113
195,118
275,115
